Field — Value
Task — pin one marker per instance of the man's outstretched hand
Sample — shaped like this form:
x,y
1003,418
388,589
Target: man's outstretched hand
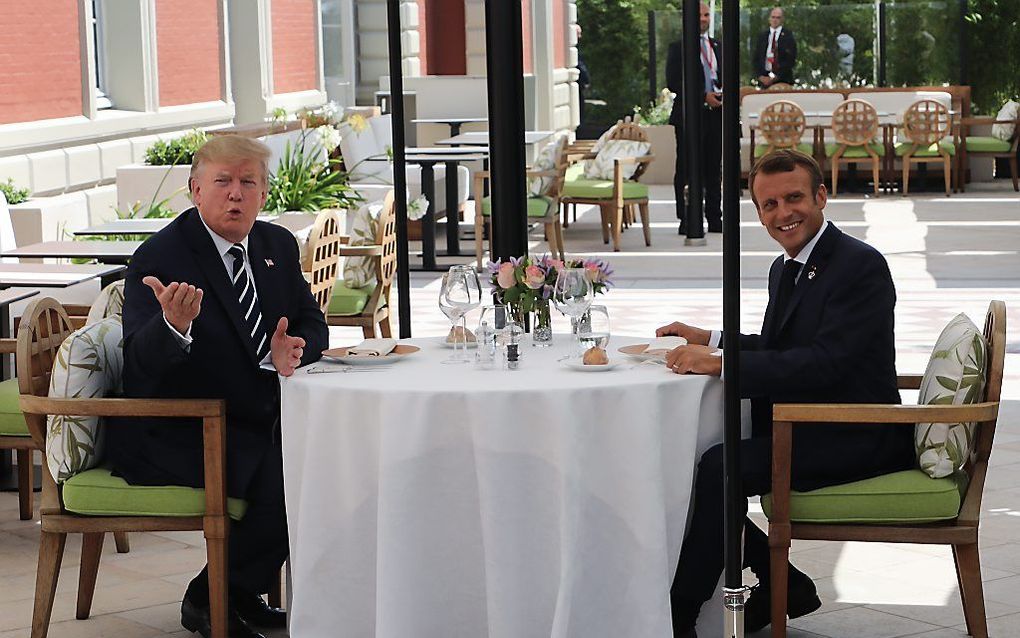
x,y
285,350
181,302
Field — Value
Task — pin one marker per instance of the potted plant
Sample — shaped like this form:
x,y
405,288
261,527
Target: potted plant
x,y
164,175
654,119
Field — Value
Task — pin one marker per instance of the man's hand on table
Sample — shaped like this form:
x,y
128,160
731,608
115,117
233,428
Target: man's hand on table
x,y
695,336
694,360
285,350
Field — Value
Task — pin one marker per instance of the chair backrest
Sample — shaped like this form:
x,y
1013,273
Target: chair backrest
x,y
977,467
782,124
926,122
44,327
628,130
387,239
854,123
322,257
779,86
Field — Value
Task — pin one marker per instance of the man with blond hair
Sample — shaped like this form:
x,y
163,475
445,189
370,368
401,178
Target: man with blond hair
x,y
827,337
215,306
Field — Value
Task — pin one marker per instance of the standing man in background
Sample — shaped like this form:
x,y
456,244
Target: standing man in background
x,y
775,53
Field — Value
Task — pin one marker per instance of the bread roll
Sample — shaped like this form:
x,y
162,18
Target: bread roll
x,y
595,357
457,335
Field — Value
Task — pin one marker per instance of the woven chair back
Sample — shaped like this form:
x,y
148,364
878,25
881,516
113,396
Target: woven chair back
x,y
926,122
782,124
854,123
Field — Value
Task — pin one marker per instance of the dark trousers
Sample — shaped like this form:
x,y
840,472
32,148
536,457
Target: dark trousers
x,y
710,156
258,543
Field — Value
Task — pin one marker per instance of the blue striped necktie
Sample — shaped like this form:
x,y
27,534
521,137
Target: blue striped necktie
x,y
251,314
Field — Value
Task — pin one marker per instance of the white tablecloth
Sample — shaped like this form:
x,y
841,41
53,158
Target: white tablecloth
x,y
428,500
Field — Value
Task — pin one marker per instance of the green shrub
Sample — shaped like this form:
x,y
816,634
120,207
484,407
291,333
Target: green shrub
x,y
302,183
13,194
176,152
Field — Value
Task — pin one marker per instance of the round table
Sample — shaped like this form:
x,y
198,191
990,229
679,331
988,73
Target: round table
x,y
434,500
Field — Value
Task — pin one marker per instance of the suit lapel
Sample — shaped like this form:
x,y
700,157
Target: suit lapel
x,y
211,263
264,266
809,273
770,309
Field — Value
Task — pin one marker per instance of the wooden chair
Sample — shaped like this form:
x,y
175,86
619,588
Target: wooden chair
x,y
543,209
40,335
855,126
321,261
987,146
370,306
782,124
961,533
618,198
779,86
925,126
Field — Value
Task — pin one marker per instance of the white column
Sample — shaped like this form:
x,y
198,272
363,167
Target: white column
x,y
543,58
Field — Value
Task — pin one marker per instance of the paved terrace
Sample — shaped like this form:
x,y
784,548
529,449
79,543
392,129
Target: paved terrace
x,y
947,255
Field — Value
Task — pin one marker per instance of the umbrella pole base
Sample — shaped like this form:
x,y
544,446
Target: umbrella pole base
x,y
733,611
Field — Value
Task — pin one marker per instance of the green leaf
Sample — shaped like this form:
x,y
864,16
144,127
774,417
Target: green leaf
x,y
948,383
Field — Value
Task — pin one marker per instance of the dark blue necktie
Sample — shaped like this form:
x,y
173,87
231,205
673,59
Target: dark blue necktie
x,y
251,314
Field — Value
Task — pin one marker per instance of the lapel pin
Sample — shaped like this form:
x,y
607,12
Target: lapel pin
x,y
269,262
811,273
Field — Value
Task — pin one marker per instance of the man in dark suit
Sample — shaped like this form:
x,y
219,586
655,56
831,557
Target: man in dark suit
x,y
710,77
215,306
775,53
827,337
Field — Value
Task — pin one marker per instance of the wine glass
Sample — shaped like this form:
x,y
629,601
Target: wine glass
x,y
460,292
573,295
594,331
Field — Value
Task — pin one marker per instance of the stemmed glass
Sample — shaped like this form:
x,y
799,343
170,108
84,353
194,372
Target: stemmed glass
x,y
460,292
572,295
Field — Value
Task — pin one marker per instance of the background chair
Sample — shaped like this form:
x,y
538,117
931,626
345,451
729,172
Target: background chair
x,y
93,502
925,127
615,198
369,306
321,260
902,497
543,208
855,126
987,146
782,124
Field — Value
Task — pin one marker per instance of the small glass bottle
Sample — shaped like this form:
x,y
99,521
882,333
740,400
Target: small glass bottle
x,y
512,356
485,353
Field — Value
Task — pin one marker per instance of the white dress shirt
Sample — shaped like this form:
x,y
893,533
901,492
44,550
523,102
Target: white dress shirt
x,y
769,53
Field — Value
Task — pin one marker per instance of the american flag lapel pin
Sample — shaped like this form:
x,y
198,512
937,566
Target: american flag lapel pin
x,y
269,262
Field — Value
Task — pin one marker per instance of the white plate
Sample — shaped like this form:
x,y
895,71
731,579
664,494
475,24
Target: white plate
x,y
340,354
580,367
637,351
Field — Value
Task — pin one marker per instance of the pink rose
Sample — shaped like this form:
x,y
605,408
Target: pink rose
x,y
594,273
534,277
556,264
505,276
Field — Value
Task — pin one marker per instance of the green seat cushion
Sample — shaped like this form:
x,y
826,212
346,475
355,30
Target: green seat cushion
x,y
574,171
855,151
803,147
97,492
349,301
931,151
982,144
581,188
910,496
537,206
12,421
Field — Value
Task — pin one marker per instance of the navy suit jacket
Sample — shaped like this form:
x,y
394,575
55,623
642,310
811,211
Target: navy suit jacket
x,y
221,360
675,79
786,55
834,344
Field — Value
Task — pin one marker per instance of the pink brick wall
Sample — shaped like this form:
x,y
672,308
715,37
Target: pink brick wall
x,y
295,46
559,27
188,44
526,35
40,61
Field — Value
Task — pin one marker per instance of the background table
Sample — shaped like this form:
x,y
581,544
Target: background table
x,y
58,275
481,138
106,252
435,500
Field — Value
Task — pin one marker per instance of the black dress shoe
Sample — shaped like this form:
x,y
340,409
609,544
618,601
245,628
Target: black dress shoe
x,y
801,599
196,619
256,612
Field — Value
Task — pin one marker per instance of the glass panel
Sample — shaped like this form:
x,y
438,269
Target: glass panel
x,y
923,43
332,38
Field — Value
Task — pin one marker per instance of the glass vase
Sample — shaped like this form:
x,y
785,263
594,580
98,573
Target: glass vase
x,y
541,330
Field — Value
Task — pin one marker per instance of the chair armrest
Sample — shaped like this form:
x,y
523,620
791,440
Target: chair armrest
x,y
985,120
882,414
909,381
8,346
482,174
186,408
542,174
644,159
76,309
361,251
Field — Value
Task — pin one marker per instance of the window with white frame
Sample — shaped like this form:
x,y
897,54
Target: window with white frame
x,y
99,57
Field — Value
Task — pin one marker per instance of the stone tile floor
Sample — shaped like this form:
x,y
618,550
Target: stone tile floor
x,y
947,255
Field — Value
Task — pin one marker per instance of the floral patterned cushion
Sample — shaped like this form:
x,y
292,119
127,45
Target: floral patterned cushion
x,y
955,375
363,229
109,302
88,365
1006,132
602,166
539,186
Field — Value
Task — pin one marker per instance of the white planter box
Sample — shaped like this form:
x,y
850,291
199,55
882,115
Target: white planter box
x,y
663,140
49,218
141,183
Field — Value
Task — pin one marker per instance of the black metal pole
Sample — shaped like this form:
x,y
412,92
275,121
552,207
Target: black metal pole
x,y
399,172
733,590
505,66
694,101
883,27
653,72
